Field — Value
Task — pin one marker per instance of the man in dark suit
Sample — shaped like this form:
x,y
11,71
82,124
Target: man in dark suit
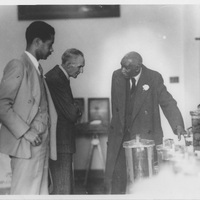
x,y
135,110
28,115
58,80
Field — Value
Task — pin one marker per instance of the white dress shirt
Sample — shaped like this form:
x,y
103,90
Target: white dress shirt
x,y
66,74
33,60
136,78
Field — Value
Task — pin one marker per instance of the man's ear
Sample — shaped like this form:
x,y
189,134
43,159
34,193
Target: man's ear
x,y
37,42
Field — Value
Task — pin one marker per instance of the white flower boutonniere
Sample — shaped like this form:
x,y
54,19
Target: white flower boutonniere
x,y
145,87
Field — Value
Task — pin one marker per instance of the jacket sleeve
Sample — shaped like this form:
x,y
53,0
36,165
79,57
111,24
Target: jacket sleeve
x,y
10,84
168,105
64,103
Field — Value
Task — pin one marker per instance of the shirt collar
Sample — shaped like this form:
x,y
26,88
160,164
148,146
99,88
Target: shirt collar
x,y
66,74
137,77
33,60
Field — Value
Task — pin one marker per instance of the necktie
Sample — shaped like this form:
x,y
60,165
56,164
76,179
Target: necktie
x,y
41,70
133,85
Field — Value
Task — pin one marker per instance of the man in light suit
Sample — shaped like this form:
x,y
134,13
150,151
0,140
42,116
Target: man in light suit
x,y
28,115
135,111
58,81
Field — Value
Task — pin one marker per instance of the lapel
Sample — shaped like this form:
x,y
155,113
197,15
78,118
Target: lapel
x,y
33,78
141,93
65,82
34,85
52,109
120,85
53,122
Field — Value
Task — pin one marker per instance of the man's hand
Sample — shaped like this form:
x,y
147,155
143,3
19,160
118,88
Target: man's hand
x,y
180,131
79,113
34,137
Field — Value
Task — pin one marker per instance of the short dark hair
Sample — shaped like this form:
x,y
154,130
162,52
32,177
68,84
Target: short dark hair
x,y
39,29
70,53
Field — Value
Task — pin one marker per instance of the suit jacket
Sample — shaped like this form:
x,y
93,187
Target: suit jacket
x,y
68,113
19,102
150,94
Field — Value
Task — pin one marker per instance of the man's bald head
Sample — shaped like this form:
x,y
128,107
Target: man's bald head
x,y
132,57
131,64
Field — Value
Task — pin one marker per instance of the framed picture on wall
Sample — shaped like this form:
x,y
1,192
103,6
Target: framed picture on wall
x,y
99,110
37,12
81,104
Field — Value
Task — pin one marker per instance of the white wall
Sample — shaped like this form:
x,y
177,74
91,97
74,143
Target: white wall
x,y
191,59
162,34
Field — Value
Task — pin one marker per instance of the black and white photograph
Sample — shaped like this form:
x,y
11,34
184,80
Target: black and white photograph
x,y
99,110
100,100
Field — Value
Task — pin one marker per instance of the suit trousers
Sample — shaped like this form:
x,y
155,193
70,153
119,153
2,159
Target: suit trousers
x,y
119,179
30,176
62,174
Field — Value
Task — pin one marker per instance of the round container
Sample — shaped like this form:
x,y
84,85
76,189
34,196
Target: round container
x,y
139,159
164,155
195,115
